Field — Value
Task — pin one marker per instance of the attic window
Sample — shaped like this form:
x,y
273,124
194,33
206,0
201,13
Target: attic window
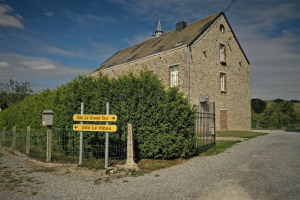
x,y
222,28
132,58
178,44
136,47
159,49
156,43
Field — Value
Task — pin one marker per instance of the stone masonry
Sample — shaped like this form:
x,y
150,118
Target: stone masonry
x,y
199,70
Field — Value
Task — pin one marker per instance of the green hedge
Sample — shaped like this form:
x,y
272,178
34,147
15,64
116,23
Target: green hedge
x,y
163,120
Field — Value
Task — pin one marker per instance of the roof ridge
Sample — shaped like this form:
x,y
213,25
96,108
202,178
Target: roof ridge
x,y
204,18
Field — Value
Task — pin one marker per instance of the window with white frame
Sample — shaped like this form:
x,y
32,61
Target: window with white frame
x,y
174,76
222,53
223,81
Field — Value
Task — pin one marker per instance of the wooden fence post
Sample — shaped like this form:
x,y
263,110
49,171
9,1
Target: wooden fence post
x,y
14,137
28,141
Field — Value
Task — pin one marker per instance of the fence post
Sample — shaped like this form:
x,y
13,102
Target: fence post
x,y
14,138
28,141
130,153
214,121
49,146
3,136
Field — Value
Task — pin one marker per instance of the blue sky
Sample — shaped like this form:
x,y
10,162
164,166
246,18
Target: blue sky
x,y
50,42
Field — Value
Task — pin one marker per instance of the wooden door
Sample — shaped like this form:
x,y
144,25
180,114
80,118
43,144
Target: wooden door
x,y
223,120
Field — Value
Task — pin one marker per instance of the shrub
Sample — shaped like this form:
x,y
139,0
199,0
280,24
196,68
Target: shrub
x,y
163,121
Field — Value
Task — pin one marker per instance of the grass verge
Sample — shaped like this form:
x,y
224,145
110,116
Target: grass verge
x,y
153,165
220,147
97,164
240,134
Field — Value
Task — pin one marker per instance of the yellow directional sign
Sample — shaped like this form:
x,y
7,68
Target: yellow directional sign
x,y
95,127
95,118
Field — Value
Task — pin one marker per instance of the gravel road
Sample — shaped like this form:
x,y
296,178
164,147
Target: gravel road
x,y
266,167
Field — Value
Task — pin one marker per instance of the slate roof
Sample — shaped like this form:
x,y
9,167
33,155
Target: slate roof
x,y
164,42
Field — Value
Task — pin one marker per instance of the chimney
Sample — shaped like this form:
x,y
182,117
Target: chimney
x,y
180,25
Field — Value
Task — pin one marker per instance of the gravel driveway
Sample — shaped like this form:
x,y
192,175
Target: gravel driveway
x,y
266,167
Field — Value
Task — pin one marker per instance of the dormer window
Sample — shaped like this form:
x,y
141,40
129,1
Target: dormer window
x,y
178,44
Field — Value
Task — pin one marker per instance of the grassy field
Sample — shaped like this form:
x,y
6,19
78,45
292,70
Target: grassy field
x,y
297,107
221,145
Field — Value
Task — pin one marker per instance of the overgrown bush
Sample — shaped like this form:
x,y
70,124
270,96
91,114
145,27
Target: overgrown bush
x,y
163,121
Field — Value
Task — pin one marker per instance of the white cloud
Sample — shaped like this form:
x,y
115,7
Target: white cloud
x,y
137,38
101,50
171,11
271,45
49,13
9,20
88,19
59,51
19,16
4,64
39,65
40,72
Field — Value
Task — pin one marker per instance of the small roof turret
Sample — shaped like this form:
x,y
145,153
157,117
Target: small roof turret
x,y
159,30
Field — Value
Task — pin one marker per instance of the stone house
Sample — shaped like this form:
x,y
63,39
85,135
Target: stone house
x,y
203,58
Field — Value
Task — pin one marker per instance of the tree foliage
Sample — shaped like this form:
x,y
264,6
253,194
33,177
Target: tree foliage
x,y
278,113
163,121
258,105
13,92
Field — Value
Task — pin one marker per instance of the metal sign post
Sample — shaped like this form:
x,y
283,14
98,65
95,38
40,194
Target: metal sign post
x,y
95,127
106,138
81,137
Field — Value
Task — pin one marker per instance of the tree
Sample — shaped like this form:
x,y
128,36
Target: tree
x,y
295,101
258,105
280,113
13,92
278,100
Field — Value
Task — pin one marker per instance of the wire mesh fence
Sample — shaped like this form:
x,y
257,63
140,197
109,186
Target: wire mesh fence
x,y
65,144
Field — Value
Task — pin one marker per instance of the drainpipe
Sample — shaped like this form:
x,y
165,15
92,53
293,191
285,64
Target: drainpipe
x,y
189,73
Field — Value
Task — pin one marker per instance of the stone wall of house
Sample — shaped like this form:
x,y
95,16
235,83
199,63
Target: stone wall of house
x,y
199,70
159,63
205,71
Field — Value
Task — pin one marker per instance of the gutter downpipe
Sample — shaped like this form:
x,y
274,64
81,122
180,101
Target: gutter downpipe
x,y
189,73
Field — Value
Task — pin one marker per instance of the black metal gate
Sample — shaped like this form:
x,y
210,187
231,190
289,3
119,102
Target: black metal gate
x,y
205,125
